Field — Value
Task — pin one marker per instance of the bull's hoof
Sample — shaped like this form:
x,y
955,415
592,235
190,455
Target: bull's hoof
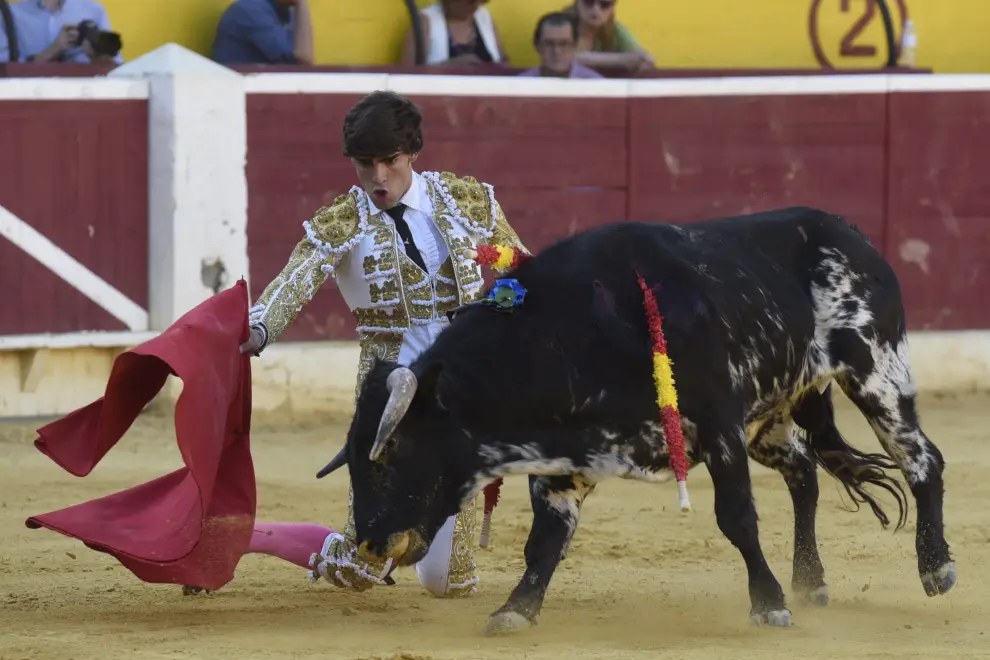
x,y
775,618
507,621
816,597
941,581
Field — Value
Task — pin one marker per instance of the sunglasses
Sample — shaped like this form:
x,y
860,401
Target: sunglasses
x,y
602,4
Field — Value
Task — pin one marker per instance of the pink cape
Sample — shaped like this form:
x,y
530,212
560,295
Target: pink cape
x,y
190,526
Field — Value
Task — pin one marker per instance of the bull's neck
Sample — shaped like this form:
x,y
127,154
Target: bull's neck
x,y
592,452
551,453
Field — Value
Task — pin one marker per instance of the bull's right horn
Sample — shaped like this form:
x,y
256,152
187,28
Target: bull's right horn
x,y
338,461
401,385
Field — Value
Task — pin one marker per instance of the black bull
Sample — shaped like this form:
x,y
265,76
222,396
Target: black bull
x,y
761,314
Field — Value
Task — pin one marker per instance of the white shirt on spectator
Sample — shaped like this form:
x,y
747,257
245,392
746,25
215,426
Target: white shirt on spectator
x,y
438,49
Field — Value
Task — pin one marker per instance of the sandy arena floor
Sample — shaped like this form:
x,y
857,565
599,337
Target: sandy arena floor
x,y
642,580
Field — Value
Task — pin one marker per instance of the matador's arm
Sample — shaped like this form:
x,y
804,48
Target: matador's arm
x,y
329,236
282,300
502,232
504,249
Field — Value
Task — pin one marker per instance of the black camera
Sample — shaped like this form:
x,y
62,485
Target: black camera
x,y
102,42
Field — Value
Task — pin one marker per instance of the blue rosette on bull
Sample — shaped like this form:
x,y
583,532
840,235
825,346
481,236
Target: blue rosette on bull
x,y
505,294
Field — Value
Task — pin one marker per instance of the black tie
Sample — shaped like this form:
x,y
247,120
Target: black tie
x,y
411,250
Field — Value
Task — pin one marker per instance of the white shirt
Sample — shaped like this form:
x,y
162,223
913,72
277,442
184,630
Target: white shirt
x,y
419,216
438,47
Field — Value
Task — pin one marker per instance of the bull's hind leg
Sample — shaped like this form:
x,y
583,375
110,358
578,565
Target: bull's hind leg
x,y
878,380
735,512
556,509
777,446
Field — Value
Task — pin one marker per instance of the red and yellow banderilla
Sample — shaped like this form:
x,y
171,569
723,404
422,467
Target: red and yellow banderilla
x,y
663,377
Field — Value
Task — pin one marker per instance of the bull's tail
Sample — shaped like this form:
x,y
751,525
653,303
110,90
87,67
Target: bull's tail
x,y
852,468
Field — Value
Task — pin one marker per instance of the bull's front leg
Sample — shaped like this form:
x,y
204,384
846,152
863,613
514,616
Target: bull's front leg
x,y
556,510
735,512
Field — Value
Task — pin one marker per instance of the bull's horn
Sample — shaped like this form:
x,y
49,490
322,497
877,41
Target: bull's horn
x,y
339,460
402,388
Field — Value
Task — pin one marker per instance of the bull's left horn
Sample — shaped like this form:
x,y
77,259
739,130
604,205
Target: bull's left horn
x,y
401,385
338,461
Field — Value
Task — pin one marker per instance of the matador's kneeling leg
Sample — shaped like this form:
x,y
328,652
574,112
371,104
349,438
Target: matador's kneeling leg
x,y
448,569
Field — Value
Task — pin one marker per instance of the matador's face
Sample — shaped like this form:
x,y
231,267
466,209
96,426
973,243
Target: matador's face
x,y
386,179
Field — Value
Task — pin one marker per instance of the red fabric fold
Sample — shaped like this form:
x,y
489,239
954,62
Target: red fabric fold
x,y
190,526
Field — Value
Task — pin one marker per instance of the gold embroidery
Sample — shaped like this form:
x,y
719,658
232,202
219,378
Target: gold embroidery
x,y
413,277
380,318
502,231
389,291
446,288
339,223
381,264
286,295
371,264
381,345
445,226
470,197
381,237
462,572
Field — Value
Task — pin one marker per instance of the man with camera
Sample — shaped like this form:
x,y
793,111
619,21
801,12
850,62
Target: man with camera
x,y
64,31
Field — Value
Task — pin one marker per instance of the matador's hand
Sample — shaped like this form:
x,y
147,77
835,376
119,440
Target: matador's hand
x,y
254,343
338,565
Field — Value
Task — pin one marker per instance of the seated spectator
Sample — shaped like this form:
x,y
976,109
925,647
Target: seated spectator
x,y
555,39
9,49
456,33
63,31
265,32
604,44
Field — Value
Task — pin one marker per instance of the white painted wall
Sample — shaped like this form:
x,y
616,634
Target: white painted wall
x,y
197,202
198,216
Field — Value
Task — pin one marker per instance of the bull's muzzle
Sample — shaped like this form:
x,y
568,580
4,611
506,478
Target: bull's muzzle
x,y
404,548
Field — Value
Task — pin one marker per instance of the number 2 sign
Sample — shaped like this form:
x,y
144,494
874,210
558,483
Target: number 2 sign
x,y
849,33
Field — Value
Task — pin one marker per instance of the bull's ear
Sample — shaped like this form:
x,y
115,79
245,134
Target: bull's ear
x,y
431,384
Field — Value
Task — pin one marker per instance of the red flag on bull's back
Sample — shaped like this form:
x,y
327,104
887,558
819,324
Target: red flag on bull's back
x,y
190,526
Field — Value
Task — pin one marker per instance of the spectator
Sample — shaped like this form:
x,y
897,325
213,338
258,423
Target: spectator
x,y
555,39
265,32
456,33
9,51
57,31
604,44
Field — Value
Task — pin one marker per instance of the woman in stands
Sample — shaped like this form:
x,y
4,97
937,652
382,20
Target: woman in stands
x,y
605,44
456,33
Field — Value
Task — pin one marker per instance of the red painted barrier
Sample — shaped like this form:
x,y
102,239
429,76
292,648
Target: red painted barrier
x,y
905,167
702,157
938,206
77,172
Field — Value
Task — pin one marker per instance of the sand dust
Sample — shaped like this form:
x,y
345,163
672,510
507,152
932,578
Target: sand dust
x,y
642,580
